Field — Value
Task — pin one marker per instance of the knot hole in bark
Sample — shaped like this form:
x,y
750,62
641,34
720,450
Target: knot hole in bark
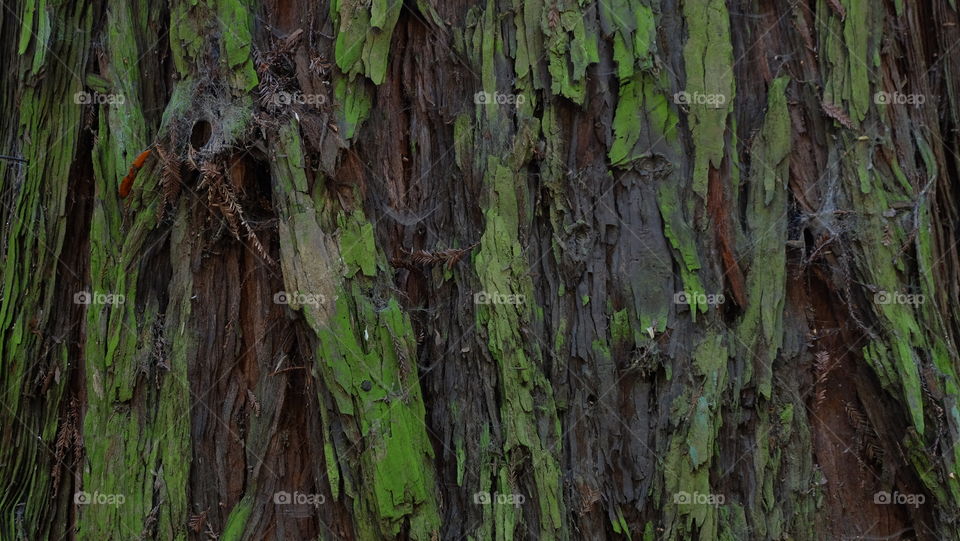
x,y
200,134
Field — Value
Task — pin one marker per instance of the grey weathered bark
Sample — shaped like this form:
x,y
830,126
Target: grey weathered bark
x,y
631,268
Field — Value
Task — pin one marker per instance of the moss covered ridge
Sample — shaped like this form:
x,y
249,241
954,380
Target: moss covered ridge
x,y
606,160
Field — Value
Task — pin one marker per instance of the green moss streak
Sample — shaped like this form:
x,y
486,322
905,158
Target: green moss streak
x,y
761,329
708,57
691,449
527,395
129,452
363,33
366,357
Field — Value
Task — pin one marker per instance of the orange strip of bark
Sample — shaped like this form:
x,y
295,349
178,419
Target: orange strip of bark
x,y
127,182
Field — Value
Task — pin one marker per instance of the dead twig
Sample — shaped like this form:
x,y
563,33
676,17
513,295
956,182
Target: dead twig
x,y
415,260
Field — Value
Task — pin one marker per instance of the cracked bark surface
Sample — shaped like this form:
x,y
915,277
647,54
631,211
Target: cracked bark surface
x,y
592,260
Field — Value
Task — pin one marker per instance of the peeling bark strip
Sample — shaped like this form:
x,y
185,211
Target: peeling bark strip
x,y
127,183
719,209
630,269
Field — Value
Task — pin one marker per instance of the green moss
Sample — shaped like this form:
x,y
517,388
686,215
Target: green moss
x,y
365,357
692,445
363,33
501,267
461,461
786,417
354,101
602,349
233,530
649,532
733,523
620,525
571,47
359,344
643,114
620,330
680,235
186,37
626,125
234,19
357,247
463,142
560,338
634,34
910,381
700,436
35,11
708,59
848,49
761,328
119,464
26,25
330,456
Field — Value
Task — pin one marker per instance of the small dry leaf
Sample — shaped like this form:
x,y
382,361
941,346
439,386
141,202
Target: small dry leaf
x,y
198,521
424,258
254,401
553,18
838,114
838,8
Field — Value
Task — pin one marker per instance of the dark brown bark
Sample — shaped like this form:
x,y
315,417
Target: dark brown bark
x,y
594,261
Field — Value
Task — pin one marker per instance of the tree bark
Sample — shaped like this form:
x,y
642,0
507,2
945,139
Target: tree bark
x,y
626,269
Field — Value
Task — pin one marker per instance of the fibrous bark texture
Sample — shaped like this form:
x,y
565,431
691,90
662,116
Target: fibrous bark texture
x,y
495,269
